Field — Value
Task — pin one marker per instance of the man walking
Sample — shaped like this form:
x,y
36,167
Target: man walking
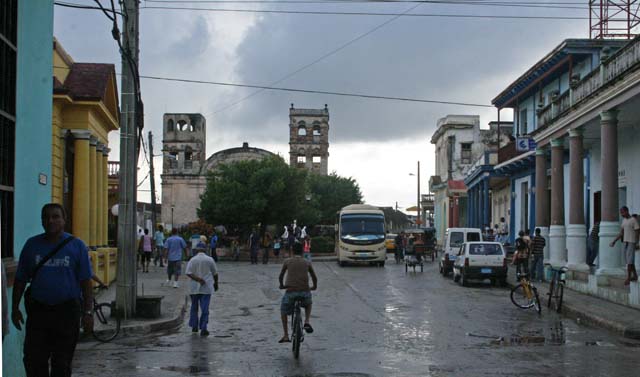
x,y
254,245
213,244
174,247
297,271
57,266
537,250
629,234
203,272
593,245
159,239
521,257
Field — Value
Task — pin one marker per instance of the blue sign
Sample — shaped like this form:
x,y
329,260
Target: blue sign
x,y
525,144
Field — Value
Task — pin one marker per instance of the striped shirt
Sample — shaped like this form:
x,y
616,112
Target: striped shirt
x,y
538,245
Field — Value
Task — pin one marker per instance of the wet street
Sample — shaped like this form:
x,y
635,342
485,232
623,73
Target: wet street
x,y
368,321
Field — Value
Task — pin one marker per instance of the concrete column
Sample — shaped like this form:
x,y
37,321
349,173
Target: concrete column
x,y
93,192
100,207
542,199
105,194
557,232
485,205
576,230
610,257
81,186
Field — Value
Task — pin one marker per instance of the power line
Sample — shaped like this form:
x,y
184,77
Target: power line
x,y
325,13
517,4
342,94
82,6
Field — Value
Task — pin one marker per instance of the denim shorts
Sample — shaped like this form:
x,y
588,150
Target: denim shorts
x,y
286,307
174,267
629,249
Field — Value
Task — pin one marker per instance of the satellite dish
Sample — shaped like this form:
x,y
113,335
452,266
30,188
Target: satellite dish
x,y
114,210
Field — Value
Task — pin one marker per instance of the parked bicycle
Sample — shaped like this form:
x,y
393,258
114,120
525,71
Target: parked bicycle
x,y
525,295
556,288
106,320
297,332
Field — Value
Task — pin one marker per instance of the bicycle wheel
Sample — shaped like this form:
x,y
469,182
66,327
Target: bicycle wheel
x,y
558,296
297,333
520,299
537,305
106,322
552,292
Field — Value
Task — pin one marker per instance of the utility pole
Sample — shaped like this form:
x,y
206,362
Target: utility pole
x,y
419,222
129,118
153,184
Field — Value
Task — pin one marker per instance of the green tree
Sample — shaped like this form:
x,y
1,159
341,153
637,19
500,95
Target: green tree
x,y
329,193
245,193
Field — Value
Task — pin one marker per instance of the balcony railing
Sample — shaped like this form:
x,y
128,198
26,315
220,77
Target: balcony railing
x,y
113,169
609,71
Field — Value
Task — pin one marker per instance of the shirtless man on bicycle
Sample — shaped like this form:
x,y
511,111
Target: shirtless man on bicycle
x,y
298,271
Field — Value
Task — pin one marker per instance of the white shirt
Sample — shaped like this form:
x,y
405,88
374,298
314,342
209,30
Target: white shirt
x,y
204,267
629,227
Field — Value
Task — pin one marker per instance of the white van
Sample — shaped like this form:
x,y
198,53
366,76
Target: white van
x,y
453,239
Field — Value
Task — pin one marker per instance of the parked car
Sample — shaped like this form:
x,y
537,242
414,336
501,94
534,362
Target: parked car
x,y
453,239
480,260
390,242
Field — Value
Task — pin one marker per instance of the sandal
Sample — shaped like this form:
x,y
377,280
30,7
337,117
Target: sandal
x,y
307,328
284,340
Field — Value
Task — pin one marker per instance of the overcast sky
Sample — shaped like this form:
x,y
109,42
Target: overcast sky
x,y
377,142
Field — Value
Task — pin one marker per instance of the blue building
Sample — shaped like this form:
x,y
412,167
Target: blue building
x,y
26,28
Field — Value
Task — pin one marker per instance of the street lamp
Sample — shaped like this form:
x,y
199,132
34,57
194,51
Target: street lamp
x,y
418,212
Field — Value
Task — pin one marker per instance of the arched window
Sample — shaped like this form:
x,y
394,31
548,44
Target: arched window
x,y
188,157
317,159
183,125
317,131
170,126
302,128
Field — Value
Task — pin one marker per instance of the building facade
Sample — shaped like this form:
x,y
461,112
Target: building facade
x,y
85,110
579,104
185,166
25,148
458,142
309,139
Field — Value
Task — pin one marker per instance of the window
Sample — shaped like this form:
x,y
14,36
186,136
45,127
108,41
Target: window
x,y
302,131
485,249
184,126
8,59
316,130
465,153
456,239
302,159
170,126
522,123
473,236
188,158
317,159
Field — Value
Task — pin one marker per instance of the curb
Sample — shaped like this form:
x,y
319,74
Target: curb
x,y
166,324
591,319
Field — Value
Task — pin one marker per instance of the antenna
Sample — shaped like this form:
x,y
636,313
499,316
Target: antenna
x,y
613,19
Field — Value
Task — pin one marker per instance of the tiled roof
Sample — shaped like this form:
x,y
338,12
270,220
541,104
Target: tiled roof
x,y
86,81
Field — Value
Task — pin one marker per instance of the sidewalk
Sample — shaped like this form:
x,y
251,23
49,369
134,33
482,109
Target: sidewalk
x,y
591,310
173,304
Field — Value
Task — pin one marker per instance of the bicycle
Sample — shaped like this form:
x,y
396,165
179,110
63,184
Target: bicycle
x,y
107,318
297,333
556,288
525,295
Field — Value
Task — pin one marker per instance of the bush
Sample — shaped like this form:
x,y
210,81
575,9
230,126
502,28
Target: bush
x,y
322,244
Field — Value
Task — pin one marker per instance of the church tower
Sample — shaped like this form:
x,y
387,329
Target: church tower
x,y
184,150
309,139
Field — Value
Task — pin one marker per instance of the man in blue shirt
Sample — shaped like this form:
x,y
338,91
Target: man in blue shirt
x,y
174,247
53,299
213,243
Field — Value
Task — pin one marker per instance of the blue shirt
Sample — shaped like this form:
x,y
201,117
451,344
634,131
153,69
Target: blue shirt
x,y
214,241
174,245
59,279
159,238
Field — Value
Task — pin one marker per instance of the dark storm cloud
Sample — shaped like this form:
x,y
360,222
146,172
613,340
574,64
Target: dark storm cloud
x,y
440,59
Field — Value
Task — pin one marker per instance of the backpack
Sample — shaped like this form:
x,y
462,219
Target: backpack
x,y
520,244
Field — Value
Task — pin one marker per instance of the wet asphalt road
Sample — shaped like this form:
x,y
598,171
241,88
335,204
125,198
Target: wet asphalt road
x,y
368,322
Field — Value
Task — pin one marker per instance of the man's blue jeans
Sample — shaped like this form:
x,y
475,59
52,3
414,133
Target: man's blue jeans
x,y
202,301
537,267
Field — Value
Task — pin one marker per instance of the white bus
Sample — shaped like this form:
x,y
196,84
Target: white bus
x,y
360,235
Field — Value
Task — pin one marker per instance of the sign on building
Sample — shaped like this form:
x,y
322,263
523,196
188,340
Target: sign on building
x,y
525,144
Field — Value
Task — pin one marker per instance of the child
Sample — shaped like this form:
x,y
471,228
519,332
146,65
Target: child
x,y
306,249
276,248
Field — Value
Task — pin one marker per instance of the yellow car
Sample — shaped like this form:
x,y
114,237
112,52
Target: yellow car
x,y
390,242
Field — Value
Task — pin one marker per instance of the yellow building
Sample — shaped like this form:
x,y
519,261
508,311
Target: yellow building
x,y
85,110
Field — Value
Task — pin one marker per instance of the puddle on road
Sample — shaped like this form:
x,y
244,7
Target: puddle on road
x,y
192,369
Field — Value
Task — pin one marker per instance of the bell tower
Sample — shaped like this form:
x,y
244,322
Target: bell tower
x,y
309,139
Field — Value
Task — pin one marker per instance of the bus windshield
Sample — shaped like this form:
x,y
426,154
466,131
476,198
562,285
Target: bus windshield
x,y
356,225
